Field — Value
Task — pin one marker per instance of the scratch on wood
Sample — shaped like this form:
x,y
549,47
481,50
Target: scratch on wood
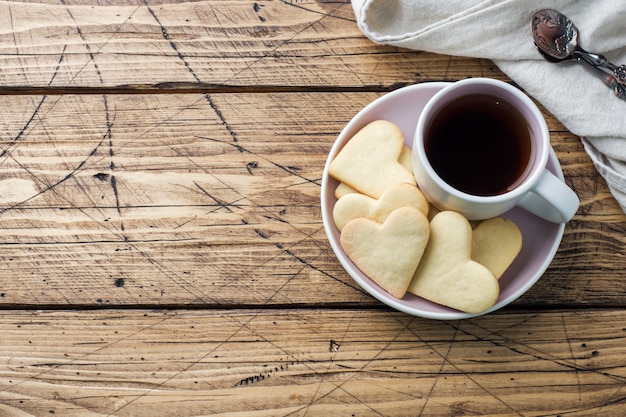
x,y
24,128
272,52
109,128
223,121
240,327
572,356
113,182
321,271
251,379
109,137
324,14
289,169
48,187
184,223
260,233
316,399
56,69
509,343
277,219
172,44
444,360
219,202
79,359
92,55
268,374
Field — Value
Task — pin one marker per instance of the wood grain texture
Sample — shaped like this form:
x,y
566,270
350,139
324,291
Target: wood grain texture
x,y
310,362
214,200
205,44
162,250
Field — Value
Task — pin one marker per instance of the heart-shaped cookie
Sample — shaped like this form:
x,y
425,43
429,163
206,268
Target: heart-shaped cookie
x,y
369,160
388,253
405,159
398,195
447,275
496,243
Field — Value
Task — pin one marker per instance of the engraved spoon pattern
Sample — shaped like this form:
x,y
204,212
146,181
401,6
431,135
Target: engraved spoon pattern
x,y
557,39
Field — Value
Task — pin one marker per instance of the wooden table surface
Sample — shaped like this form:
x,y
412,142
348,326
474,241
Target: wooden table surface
x,y
162,248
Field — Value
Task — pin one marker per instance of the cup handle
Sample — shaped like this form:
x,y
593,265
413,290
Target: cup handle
x,y
551,199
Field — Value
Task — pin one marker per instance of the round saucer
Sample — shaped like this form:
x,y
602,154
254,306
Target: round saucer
x,y
541,238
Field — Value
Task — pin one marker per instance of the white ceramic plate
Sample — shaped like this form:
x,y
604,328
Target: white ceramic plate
x,y
541,238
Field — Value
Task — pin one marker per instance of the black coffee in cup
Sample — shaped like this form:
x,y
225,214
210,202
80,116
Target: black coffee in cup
x,y
479,144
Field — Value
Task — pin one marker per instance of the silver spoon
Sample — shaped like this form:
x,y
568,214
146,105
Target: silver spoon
x,y
556,38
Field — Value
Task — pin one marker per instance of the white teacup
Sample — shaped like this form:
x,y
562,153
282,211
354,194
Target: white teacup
x,y
481,147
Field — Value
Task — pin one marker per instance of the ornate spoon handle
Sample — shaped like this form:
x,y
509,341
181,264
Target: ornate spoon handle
x,y
620,73
619,88
600,61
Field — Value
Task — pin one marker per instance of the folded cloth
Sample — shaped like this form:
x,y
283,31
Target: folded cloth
x,y
499,30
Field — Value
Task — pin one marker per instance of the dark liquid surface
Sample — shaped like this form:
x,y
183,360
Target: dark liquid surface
x,y
480,145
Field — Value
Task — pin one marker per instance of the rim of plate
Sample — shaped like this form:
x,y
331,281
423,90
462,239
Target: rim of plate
x,y
327,202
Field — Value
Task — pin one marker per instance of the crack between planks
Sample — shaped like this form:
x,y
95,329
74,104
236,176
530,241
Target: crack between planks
x,y
317,306
201,88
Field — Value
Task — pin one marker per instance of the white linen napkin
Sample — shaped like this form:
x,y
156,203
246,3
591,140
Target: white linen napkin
x,y
500,30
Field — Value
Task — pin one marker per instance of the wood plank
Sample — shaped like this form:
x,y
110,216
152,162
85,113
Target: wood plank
x,y
205,44
310,362
214,200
